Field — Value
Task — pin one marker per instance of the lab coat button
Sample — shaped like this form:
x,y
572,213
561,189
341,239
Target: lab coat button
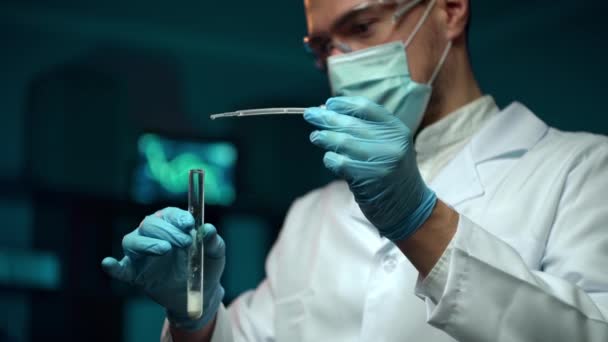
x,y
390,263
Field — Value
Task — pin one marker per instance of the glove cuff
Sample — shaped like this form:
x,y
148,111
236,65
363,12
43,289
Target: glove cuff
x,y
210,309
416,219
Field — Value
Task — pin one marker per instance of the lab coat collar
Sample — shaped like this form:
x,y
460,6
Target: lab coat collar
x,y
515,129
509,134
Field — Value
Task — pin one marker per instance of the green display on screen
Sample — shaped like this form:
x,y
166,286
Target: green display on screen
x,y
164,165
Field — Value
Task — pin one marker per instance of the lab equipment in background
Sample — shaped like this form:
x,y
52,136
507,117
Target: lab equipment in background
x,y
261,111
160,175
196,207
29,269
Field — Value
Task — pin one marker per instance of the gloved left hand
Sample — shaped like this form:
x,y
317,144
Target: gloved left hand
x,y
374,152
156,259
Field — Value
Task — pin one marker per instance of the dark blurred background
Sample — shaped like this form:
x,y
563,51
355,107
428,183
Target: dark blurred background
x,y
104,104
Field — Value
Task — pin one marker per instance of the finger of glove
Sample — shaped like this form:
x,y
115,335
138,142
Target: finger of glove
x,y
156,227
214,244
352,170
137,246
180,219
346,144
359,107
122,270
330,120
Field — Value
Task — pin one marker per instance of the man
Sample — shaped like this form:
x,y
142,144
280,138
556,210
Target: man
x,y
491,227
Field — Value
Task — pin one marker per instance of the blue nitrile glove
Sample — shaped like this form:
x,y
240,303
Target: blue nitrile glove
x,y
373,151
156,261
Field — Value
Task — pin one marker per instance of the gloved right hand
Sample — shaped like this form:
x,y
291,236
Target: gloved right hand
x,y
156,261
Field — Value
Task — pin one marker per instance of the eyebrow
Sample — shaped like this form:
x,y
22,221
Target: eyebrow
x,y
353,12
348,15
357,9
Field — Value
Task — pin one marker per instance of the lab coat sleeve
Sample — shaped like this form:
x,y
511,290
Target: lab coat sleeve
x,y
486,292
433,286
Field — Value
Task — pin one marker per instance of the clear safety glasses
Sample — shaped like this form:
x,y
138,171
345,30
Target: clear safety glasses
x,y
367,24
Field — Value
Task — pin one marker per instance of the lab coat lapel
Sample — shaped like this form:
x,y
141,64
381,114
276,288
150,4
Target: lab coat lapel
x,y
509,134
512,132
459,180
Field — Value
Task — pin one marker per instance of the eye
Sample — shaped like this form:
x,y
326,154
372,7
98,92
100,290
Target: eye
x,y
363,28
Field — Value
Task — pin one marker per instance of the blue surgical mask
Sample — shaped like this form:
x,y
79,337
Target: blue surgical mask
x,y
381,74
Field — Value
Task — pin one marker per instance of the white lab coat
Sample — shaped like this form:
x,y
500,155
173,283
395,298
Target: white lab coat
x,y
529,261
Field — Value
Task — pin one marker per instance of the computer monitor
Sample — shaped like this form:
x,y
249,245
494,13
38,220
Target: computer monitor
x,y
161,173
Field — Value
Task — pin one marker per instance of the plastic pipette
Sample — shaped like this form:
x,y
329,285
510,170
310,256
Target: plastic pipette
x,y
256,112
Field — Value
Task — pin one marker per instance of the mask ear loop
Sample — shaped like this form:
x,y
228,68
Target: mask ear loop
x,y
444,56
402,10
426,14
421,22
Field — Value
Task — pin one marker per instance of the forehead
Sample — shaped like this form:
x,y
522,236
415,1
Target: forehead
x,y
321,14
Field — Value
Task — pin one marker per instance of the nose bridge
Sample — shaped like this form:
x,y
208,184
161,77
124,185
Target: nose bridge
x,y
335,52
339,46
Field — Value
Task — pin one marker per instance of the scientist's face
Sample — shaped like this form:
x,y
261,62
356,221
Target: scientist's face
x,y
339,20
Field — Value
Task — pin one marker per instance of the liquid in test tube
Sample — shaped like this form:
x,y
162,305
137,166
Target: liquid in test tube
x,y
196,206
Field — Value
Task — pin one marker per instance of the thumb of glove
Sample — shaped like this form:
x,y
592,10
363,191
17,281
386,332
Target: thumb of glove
x,y
121,270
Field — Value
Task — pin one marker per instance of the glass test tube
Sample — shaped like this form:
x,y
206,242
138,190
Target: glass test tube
x,y
196,206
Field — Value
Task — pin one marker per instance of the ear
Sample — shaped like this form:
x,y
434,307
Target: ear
x,y
457,14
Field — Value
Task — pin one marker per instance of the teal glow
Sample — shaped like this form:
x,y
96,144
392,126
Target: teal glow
x,y
138,315
29,269
172,174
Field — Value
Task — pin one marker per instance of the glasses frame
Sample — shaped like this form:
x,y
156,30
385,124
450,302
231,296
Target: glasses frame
x,y
403,6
